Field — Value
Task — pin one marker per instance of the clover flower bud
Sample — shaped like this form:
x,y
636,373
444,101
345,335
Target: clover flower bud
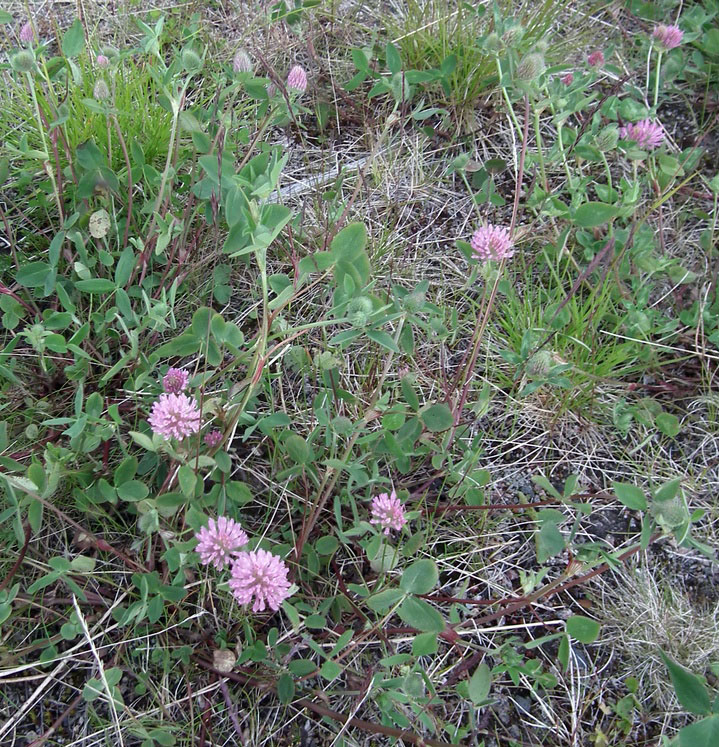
x,y
112,53
175,380
23,61
27,35
596,58
493,43
414,301
667,37
213,438
540,364
191,61
359,310
342,425
513,35
607,139
646,133
101,92
530,68
297,79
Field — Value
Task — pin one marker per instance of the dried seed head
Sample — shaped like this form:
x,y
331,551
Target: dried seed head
x,y
241,62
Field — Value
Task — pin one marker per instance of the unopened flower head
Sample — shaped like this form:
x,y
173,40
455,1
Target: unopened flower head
x,y
175,380
102,60
112,53
667,37
23,61
530,67
297,79
27,35
492,242
175,416
191,61
213,438
647,134
101,92
241,62
493,43
567,79
359,310
540,364
596,58
607,139
261,576
220,541
388,512
513,35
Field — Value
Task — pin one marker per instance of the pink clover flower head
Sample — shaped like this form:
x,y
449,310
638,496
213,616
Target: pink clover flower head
x,y
175,416
492,242
261,575
213,438
297,79
646,134
667,37
596,58
27,35
102,61
567,79
219,542
175,380
388,512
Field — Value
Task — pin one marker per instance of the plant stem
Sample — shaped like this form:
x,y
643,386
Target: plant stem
x,y
333,474
656,79
41,130
540,154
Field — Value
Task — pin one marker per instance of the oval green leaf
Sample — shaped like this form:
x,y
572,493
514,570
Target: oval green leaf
x,y
593,214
